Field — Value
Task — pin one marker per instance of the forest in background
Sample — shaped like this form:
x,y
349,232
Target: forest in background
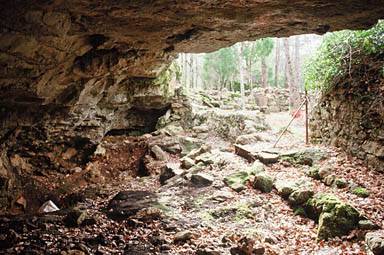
x,y
267,62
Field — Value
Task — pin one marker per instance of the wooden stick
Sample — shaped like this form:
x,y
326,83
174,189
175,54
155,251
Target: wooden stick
x,y
286,128
306,118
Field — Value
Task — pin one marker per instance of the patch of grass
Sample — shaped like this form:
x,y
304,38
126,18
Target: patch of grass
x,y
361,192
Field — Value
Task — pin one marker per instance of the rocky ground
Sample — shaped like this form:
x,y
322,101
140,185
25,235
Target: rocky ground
x,y
189,192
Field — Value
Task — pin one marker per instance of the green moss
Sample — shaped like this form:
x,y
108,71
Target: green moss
x,y
237,180
340,183
313,172
235,213
335,217
361,192
300,211
263,182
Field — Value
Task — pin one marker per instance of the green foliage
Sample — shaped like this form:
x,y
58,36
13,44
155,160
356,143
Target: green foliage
x,y
338,52
361,192
220,65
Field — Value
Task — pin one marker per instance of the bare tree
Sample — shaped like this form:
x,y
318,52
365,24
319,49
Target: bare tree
x,y
277,61
241,74
297,62
289,76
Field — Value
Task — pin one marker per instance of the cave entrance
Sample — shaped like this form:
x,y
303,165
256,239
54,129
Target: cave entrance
x,y
262,80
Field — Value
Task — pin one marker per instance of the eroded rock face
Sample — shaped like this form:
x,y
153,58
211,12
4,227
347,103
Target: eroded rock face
x,y
351,114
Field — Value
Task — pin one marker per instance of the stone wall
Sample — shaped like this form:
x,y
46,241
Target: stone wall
x,y
351,115
270,99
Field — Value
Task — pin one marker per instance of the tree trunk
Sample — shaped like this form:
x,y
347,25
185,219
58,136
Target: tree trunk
x,y
277,62
250,76
289,76
297,63
241,73
263,73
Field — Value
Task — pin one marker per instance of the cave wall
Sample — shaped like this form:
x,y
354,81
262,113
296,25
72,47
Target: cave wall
x,y
351,114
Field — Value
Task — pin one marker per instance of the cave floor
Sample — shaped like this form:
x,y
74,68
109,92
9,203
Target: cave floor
x,y
196,220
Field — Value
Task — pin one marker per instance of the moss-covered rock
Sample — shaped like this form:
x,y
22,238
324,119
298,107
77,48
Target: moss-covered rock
x,y
263,182
237,180
304,157
300,196
313,172
336,218
361,192
285,187
340,183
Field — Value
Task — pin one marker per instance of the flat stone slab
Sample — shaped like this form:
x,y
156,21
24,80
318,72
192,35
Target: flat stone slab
x,y
127,203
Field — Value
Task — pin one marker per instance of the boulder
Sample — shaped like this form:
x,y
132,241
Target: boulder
x,y
340,183
169,171
304,157
202,179
367,225
129,203
300,196
335,217
375,242
285,187
263,182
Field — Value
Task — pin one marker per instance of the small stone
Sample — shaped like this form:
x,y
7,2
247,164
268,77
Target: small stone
x,y
207,251
237,181
197,152
313,172
255,168
329,180
263,182
48,206
100,150
375,242
300,196
367,225
169,171
267,157
325,171
341,183
205,158
187,162
183,236
159,153
76,218
202,180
